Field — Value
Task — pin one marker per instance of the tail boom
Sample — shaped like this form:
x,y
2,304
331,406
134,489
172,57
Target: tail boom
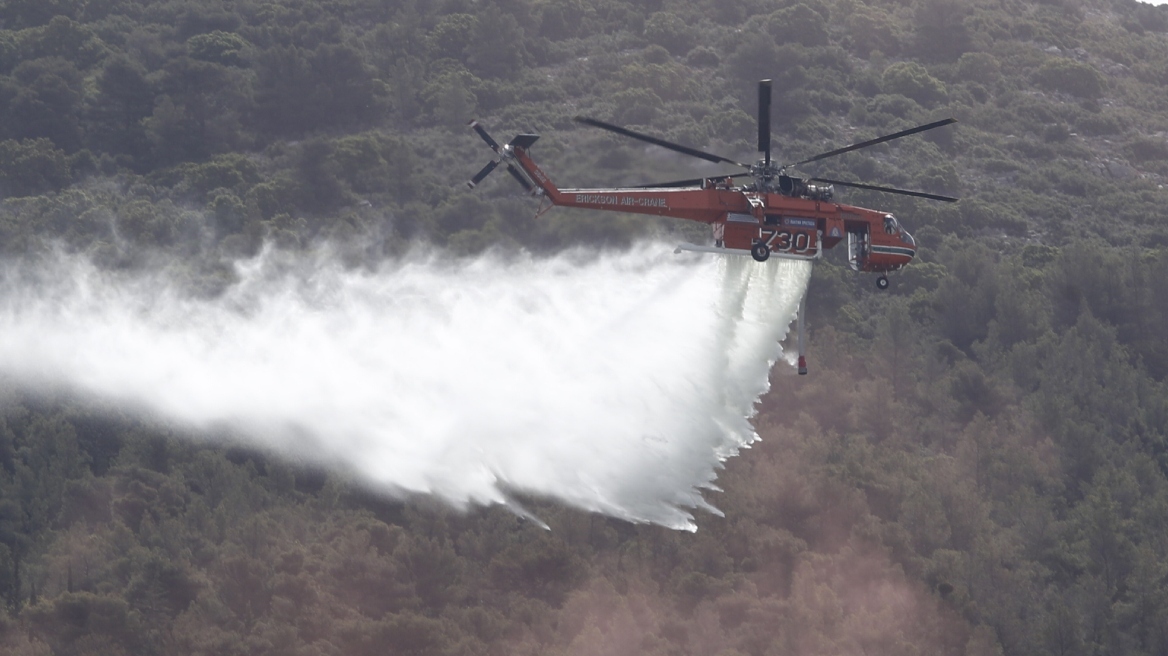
x,y
705,203
694,203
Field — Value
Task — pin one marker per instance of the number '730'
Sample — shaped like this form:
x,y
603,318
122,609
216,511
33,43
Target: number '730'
x,y
785,241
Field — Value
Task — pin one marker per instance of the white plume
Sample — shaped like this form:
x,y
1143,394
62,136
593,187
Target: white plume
x,y
613,382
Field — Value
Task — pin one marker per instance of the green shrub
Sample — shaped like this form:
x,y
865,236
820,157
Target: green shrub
x,y
667,81
234,171
912,80
635,106
1147,149
218,47
1101,125
1070,76
981,67
731,124
894,106
703,57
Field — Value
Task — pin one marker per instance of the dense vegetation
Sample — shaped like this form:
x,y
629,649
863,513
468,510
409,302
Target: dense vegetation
x,y
977,465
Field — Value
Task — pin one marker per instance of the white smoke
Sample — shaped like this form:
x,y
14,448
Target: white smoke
x,y
613,382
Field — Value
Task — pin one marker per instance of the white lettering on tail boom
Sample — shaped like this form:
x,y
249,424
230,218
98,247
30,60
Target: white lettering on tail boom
x,y
631,201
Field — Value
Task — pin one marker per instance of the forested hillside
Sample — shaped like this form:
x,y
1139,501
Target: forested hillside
x,y
976,465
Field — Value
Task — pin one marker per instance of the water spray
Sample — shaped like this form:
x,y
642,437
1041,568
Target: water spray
x,y
616,383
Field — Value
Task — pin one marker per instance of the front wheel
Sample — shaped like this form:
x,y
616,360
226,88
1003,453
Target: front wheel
x,y
760,252
882,282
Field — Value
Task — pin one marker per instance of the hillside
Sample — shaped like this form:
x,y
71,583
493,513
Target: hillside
x,y
976,465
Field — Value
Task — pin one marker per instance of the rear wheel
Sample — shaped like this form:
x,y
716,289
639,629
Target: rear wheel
x,y
760,251
882,282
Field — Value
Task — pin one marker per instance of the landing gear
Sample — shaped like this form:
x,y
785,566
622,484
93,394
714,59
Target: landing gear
x,y
760,251
882,283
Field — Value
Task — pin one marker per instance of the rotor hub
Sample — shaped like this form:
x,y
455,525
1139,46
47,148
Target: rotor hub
x,y
764,173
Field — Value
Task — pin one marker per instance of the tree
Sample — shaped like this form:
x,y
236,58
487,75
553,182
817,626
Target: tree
x,y
450,36
199,112
30,13
63,38
32,166
496,47
48,102
873,29
798,24
670,31
377,163
1090,397
965,299
451,98
981,67
563,19
1021,310
301,90
317,178
124,99
83,622
941,33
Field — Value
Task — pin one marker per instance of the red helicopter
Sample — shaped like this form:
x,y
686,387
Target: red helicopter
x,y
774,215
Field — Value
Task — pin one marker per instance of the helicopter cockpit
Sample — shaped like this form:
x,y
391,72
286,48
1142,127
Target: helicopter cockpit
x,y
893,227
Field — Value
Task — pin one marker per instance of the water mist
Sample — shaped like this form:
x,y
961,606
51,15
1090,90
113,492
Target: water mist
x,y
613,382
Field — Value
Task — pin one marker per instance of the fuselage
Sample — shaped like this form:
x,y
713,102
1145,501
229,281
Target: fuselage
x,y
790,226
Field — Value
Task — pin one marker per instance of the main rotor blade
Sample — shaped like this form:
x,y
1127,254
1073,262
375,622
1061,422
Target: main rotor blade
x,y
522,179
764,119
888,190
693,182
486,137
685,150
877,140
486,170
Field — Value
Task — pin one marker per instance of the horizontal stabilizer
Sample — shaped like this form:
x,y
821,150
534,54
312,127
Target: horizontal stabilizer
x,y
524,141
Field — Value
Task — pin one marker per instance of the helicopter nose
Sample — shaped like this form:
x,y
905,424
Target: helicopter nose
x,y
910,242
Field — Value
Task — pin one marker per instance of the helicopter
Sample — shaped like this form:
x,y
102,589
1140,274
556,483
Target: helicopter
x,y
774,214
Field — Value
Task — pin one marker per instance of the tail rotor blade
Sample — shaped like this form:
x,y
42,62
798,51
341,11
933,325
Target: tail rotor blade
x,y
521,141
486,137
519,177
483,173
764,119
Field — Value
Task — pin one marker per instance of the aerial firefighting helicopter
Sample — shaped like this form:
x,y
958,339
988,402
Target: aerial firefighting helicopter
x,y
775,214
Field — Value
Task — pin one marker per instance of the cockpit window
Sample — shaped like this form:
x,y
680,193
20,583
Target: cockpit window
x,y
890,224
